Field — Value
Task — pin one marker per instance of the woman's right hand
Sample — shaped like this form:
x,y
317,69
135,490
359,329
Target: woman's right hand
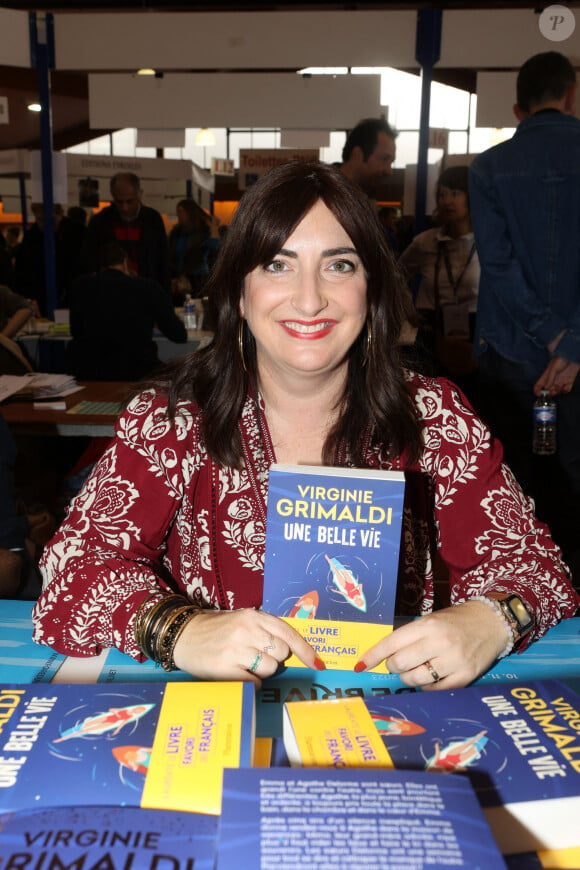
x,y
239,645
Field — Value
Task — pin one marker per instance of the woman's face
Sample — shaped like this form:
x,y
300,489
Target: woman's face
x,y
182,215
306,307
452,204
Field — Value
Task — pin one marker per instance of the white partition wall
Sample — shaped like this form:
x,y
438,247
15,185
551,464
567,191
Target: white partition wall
x,y
14,38
232,100
235,40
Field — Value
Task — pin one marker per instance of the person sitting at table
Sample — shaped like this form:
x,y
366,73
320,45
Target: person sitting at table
x,y
112,317
162,552
15,312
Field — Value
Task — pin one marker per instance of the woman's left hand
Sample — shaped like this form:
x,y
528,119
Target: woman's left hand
x,y
444,650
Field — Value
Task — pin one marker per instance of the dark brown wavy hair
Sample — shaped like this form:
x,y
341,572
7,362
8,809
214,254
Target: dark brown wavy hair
x,y
375,398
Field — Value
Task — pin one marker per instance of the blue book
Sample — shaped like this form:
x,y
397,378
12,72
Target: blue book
x,y
517,743
152,745
333,537
108,837
352,818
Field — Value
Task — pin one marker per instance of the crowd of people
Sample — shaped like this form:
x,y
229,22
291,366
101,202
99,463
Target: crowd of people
x,y
161,552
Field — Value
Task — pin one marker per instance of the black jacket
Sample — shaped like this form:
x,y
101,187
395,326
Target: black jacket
x,y
152,250
112,317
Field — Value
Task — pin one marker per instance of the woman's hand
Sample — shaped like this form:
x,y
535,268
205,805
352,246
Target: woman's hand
x,y
239,645
444,650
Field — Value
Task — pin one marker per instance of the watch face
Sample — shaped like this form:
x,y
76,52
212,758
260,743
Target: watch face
x,y
520,612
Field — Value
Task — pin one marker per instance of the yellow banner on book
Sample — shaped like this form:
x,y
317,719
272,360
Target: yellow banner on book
x,y
340,734
198,734
340,645
560,859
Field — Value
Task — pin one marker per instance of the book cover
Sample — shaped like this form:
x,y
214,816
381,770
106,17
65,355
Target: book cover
x,y
518,744
332,553
286,819
107,838
155,745
21,659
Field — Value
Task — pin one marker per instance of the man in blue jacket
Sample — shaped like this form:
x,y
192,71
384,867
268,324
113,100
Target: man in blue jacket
x,y
525,209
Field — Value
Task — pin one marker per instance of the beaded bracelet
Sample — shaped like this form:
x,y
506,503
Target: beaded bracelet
x,y
491,602
148,621
174,626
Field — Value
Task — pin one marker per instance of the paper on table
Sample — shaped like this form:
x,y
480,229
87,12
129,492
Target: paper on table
x,y
37,385
10,384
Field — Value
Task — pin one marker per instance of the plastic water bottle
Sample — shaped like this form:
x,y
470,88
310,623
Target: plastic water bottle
x,y
189,313
544,439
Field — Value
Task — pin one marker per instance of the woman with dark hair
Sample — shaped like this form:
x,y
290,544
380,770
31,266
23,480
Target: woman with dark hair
x,y
193,243
444,259
161,553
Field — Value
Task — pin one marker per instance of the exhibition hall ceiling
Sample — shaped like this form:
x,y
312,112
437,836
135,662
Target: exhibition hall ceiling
x,y
69,89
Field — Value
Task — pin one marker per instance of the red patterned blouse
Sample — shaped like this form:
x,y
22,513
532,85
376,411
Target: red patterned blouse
x,y
157,513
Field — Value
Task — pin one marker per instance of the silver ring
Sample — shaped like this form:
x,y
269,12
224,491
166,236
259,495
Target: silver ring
x,y
432,671
256,663
270,643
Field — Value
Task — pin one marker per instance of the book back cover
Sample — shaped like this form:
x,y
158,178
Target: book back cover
x,y
283,819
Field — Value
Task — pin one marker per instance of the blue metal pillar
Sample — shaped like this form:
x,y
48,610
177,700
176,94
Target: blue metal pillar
x,y
42,54
22,193
427,52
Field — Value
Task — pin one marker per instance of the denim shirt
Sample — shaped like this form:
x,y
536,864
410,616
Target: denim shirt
x,y
525,210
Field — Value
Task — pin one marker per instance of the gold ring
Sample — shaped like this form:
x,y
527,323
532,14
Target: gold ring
x,y
432,671
256,663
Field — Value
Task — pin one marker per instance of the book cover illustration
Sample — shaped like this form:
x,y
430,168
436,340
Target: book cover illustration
x,y
283,819
518,744
159,746
332,553
21,659
107,838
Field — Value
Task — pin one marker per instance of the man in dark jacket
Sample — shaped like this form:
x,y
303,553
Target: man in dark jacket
x,y
112,318
29,269
137,228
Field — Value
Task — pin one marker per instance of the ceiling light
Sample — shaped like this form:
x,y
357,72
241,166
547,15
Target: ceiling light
x,y
205,137
146,71
34,107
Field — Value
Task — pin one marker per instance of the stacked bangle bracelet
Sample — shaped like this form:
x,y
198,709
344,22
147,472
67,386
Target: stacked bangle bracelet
x,y
158,626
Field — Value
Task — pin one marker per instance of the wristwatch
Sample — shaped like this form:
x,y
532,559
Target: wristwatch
x,y
520,620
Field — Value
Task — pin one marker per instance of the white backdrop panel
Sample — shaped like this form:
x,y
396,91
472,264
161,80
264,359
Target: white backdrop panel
x,y
497,38
14,38
234,40
496,95
232,100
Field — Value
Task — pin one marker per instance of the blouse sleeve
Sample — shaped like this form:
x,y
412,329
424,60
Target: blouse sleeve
x,y
488,534
107,556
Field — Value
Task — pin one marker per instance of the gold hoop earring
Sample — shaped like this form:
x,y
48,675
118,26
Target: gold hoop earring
x,y
369,343
241,344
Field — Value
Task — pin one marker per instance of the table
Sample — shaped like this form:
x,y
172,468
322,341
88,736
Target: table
x,y
554,656
30,418
46,352
557,654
